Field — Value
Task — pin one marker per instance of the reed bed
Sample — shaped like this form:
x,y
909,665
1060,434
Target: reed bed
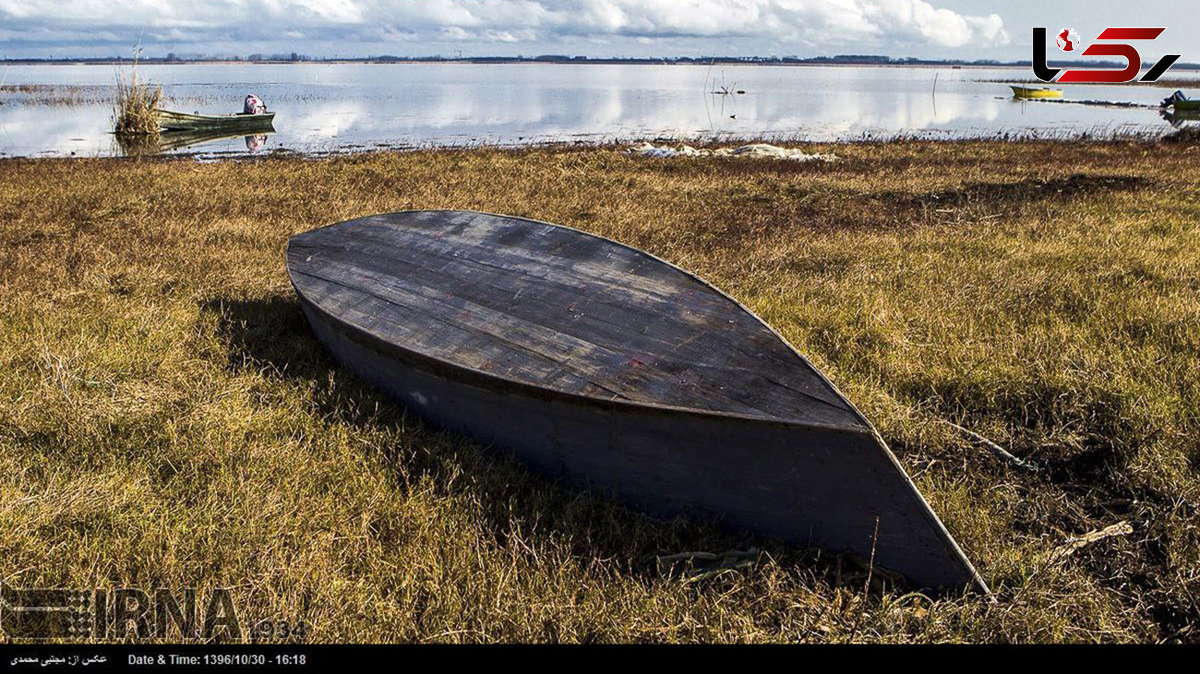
x,y
136,102
55,95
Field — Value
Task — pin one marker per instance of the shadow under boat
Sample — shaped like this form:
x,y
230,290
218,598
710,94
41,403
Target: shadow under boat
x,y
1177,118
169,141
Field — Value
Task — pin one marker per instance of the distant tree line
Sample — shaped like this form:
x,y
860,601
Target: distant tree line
x,y
840,59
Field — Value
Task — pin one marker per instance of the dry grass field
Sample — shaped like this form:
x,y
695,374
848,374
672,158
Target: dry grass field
x,y
168,420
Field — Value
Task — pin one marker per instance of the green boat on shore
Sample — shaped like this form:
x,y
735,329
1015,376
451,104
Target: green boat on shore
x,y
169,120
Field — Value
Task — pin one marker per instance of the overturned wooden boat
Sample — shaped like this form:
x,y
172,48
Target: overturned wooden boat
x,y
170,120
1035,92
601,363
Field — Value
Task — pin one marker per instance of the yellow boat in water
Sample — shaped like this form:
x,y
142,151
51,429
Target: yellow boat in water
x,y
1035,92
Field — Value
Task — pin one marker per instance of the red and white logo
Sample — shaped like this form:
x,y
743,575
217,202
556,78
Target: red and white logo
x,y
1068,39
1110,42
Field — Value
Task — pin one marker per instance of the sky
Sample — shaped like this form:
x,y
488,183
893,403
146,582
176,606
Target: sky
x,y
959,29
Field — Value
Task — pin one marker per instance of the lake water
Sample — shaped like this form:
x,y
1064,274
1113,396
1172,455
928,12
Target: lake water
x,y
339,107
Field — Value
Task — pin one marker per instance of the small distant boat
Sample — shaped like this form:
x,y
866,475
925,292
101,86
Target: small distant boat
x,y
170,120
603,364
1035,92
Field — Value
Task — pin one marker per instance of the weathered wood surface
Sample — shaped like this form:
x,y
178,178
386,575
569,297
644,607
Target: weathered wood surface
x,y
552,307
601,363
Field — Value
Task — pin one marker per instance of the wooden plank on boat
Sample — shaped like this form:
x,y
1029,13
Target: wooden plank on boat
x,y
602,363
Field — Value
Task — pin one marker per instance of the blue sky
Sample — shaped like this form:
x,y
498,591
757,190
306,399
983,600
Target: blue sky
x,y
924,28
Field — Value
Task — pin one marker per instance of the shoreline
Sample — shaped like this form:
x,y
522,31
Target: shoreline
x,y
1084,138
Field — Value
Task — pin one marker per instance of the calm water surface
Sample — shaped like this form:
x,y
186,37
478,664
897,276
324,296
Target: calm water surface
x,y
338,107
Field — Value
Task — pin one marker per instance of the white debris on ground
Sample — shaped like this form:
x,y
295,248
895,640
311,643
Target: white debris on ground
x,y
651,150
755,150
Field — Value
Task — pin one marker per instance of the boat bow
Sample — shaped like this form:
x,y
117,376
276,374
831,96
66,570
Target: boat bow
x,y
603,363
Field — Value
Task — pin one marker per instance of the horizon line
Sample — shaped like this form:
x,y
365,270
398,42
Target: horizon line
x,y
294,57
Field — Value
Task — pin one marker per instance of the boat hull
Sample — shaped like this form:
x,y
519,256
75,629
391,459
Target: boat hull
x,y
1035,92
1187,105
169,120
815,486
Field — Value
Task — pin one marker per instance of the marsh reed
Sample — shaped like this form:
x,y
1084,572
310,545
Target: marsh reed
x,y
135,104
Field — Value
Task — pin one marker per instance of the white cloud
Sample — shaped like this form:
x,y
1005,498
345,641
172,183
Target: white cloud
x,y
803,24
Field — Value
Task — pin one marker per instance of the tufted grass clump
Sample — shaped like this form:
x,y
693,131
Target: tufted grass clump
x,y
135,106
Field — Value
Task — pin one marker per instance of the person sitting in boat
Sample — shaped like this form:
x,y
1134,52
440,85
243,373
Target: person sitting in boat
x,y
254,106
